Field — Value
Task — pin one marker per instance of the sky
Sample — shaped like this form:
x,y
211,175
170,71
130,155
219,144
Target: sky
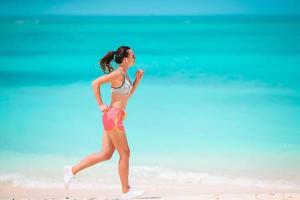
x,y
149,7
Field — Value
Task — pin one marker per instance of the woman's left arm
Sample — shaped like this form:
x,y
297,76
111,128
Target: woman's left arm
x,y
139,75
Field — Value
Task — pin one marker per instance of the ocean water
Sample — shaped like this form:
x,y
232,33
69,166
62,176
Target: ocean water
x,y
219,101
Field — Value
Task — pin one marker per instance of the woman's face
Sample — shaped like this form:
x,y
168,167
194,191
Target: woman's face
x,y
130,60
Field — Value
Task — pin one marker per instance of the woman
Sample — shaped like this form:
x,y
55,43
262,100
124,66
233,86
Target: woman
x,y
114,136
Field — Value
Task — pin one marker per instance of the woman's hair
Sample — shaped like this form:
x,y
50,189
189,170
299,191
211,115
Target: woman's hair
x,y
117,56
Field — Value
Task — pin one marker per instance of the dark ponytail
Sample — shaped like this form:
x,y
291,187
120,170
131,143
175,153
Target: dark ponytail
x,y
117,56
105,62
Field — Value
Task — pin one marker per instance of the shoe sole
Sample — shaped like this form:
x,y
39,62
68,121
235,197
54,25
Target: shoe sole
x,y
138,195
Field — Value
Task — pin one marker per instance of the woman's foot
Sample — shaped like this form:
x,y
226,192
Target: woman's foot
x,y
132,193
68,175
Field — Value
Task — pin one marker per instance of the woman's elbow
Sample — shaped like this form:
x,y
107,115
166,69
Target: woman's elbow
x,y
95,83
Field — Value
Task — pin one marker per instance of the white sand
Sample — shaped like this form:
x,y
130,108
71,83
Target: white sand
x,y
172,192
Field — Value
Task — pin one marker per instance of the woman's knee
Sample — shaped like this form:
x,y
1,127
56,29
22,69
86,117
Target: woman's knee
x,y
107,155
125,154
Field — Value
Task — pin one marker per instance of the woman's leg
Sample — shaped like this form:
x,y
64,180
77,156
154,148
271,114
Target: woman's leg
x,y
119,141
92,159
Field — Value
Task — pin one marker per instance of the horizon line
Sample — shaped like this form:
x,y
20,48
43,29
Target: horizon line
x,y
150,15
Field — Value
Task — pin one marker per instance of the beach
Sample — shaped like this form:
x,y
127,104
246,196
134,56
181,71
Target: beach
x,y
102,182
216,115
174,192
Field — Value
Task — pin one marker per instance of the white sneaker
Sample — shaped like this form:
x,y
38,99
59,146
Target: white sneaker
x,y
132,193
68,175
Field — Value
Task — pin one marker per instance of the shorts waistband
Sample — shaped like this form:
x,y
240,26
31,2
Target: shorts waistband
x,y
120,109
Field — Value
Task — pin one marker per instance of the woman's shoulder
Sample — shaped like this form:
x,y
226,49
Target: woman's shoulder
x,y
117,74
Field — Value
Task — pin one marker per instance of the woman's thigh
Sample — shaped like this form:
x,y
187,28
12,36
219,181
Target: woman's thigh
x,y
107,145
119,140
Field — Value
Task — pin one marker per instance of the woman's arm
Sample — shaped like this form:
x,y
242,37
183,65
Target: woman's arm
x,y
134,86
139,75
101,80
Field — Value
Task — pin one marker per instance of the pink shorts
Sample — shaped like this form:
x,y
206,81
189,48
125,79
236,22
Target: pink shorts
x,y
113,119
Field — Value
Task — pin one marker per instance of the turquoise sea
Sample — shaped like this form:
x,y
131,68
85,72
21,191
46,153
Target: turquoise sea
x,y
219,100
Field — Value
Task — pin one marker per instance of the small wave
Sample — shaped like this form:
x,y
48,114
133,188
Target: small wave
x,y
17,180
21,21
147,175
181,176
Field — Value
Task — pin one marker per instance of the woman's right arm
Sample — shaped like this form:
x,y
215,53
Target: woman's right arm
x,y
101,80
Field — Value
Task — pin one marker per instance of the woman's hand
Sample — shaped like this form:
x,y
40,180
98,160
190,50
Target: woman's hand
x,y
139,74
103,108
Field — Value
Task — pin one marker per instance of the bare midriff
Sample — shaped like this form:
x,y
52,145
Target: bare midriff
x,y
119,100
